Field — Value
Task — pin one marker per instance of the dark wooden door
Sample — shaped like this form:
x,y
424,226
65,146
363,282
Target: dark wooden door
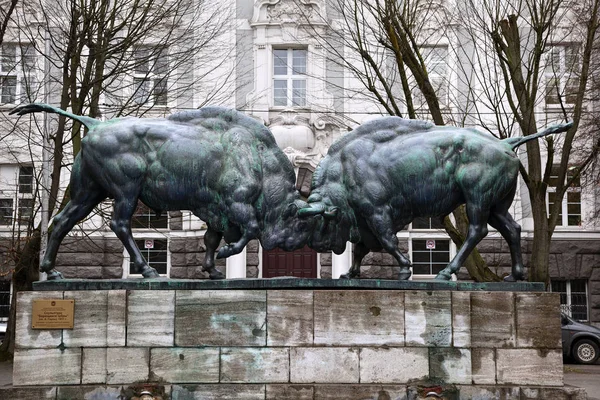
x,y
301,263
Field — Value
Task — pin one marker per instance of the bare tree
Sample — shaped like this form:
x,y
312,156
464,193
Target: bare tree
x,y
537,61
397,51
109,58
6,12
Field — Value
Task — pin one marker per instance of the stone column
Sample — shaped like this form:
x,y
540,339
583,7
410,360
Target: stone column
x,y
236,265
340,263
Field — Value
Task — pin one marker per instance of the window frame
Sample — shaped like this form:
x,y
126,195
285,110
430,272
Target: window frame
x,y
568,293
290,77
153,76
21,71
563,221
436,79
563,75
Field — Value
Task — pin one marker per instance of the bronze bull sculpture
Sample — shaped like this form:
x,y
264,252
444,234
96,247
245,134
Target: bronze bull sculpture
x,y
222,165
387,172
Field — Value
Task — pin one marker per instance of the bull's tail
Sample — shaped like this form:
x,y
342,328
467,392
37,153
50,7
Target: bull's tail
x,y
38,107
515,142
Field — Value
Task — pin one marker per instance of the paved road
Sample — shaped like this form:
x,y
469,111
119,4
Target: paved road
x,y
584,376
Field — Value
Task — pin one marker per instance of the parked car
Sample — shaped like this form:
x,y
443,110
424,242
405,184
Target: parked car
x,y
580,341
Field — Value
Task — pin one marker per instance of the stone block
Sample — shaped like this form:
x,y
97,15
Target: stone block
x,y
489,392
461,319
220,318
325,272
89,392
359,317
564,393
378,272
428,318
483,366
492,320
34,367
184,365
110,272
251,271
29,393
289,317
538,320
324,365
255,365
529,367
360,392
90,319
218,392
90,272
393,365
117,318
450,365
290,392
25,337
127,365
252,259
150,318
93,365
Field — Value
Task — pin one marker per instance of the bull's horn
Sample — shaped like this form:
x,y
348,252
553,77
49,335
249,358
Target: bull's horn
x,y
311,210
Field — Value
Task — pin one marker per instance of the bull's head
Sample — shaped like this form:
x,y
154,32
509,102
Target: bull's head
x,y
334,225
288,231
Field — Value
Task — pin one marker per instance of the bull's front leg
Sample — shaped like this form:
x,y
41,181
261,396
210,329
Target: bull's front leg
x,y
212,239
380,223
360,251
243,215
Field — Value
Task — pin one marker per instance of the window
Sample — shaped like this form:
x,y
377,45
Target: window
x,y
289,77
17,188
4,300
562,82
151,70
573,297
435,58
570,210
25,179
17,73
427,223
6,211
155,254
430,256
145,218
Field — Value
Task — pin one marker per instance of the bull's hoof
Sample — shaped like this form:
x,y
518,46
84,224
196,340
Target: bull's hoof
x,y
404,275
54,275
215,274
150,272
442,276
348,276
513,278
225,251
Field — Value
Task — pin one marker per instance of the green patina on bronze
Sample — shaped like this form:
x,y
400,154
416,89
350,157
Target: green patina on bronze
x,y
377,179
220,164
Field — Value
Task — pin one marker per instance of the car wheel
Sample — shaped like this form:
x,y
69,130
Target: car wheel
x,y
586,351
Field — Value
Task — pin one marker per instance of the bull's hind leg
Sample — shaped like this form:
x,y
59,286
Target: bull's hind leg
x,y
82,203
121,226
212,239
380,223
478,218
511,232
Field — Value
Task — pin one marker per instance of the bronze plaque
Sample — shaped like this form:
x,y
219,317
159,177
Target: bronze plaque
x,y
52,314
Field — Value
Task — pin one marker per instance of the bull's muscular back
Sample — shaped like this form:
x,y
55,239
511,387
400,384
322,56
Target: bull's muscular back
x,y
177,164
427,173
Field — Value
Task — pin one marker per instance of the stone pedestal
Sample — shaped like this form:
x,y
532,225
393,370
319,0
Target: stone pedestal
x,y
294,339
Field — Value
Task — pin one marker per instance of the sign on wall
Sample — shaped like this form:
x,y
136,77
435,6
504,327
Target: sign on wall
x,y
52,314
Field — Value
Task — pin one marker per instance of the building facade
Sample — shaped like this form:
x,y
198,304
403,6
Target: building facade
x,y
278,63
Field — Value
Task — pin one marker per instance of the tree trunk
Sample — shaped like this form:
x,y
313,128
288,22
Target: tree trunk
x,y
538,265
26,272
